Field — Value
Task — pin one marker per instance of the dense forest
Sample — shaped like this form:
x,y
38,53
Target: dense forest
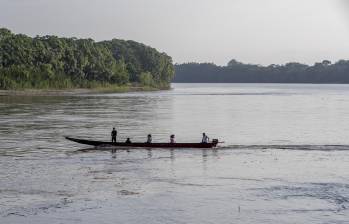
x,y
53,62
236,72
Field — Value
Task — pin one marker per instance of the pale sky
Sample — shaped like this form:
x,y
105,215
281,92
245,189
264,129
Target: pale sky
x,y
251,31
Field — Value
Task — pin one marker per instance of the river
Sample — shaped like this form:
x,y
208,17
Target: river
x,y
285,156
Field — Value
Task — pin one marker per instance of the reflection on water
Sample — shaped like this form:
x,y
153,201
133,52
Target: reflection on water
x,y
284,160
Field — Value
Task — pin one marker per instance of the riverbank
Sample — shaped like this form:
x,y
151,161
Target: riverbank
x,y
77,91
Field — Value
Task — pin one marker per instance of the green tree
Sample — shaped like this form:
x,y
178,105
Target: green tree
x,y
53,62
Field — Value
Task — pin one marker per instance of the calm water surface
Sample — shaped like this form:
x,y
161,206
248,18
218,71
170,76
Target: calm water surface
x,y
285,158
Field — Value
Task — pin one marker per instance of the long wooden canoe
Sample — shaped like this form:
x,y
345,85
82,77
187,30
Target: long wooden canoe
x,y
145,145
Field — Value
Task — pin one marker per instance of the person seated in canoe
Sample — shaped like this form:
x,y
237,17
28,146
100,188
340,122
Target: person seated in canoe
x,y
114,133
128,140
149,139
205,138
172,139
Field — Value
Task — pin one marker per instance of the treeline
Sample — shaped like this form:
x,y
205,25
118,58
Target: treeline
x,y
237,72
53,62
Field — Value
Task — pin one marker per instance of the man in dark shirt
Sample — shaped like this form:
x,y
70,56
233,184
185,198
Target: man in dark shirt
x,y
114,133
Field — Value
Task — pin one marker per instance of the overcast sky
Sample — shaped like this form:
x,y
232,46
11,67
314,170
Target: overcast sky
x,y
251,31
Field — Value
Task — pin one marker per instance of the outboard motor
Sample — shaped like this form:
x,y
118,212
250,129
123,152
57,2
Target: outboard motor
x,y
215,141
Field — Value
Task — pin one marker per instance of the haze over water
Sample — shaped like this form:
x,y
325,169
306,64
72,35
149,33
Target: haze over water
x,y
284,160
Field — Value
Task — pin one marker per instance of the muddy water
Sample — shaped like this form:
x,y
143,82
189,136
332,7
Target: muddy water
x,y
285,158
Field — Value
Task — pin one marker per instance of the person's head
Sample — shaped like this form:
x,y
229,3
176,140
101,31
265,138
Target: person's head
x,y
172,136
128,138
203,134
149,135
113,128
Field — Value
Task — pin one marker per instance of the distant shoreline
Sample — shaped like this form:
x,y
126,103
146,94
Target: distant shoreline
x,y
324,72
77,91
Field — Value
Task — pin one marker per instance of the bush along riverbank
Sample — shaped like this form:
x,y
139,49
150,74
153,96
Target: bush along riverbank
x,y
51,62
79,91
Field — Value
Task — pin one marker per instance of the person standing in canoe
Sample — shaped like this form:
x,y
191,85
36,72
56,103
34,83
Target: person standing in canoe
x,y
114,133
149,139
205,138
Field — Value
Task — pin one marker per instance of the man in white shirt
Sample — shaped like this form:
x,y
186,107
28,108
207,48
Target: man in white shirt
x,y
205,138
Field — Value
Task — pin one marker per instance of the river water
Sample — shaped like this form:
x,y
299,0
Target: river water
x,y
285,156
